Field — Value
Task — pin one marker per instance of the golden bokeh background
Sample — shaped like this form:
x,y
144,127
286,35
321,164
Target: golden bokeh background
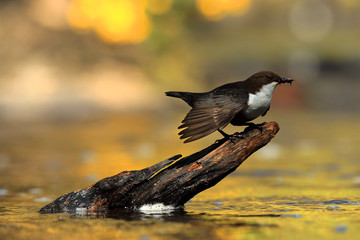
x,y
82,98
82,57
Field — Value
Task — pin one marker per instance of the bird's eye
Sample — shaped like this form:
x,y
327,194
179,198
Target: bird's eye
x,y
268,76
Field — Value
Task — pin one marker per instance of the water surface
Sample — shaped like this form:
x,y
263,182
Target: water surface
x,y
304,185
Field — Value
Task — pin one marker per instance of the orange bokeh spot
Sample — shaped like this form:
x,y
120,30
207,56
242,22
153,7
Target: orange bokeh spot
x,y
211,9
82,13
218,9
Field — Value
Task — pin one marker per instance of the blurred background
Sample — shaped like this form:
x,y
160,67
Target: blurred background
x,y
67,59
82,81
82,87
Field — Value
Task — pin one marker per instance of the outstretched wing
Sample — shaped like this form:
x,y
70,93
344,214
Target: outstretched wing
x,y
211,112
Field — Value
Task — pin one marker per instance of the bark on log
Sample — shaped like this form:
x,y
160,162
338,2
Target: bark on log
x,y
170,182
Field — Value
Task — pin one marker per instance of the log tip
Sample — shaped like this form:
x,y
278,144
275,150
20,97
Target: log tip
x,y
272,127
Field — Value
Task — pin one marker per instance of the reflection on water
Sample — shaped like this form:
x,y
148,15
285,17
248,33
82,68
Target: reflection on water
x,y
304,184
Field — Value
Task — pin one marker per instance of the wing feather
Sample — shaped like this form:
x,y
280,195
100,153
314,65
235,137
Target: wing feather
x,y
210,113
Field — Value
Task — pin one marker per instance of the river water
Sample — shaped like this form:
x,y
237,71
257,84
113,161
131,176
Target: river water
x,y
305,184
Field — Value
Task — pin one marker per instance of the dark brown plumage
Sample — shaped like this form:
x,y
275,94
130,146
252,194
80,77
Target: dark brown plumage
x,y
236,103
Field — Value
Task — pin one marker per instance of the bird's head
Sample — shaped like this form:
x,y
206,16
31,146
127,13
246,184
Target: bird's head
x,y
266,77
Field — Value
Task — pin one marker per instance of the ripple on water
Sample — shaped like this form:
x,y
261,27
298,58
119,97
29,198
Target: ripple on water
x,y
341,228
333,208
285,203
336,202
291,215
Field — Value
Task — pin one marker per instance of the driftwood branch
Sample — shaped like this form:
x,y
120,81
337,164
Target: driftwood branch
x,y
170,182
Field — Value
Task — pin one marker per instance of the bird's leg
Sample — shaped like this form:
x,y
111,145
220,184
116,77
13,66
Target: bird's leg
x,y
231,137
224,134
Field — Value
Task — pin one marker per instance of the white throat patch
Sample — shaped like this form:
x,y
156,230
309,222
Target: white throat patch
x,y
259,102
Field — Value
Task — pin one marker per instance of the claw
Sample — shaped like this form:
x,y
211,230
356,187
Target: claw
x,y
235,136
232,137
238,135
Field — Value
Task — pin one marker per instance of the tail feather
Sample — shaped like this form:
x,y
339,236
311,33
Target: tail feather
x,y
186,96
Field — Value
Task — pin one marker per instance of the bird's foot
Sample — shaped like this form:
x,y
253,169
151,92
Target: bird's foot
x,y
232,137
236,136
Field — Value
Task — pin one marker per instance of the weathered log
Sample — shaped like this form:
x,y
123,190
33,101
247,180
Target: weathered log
x,y
170,182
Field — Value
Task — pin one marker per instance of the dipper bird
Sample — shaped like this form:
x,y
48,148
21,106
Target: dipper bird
x,y
237,103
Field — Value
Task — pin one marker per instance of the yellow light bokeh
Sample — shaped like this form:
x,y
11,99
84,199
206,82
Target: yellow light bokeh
x,y
217,9
114,21
123,21
211,9
127,21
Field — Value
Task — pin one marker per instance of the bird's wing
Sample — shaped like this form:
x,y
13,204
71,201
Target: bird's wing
x,y
212,112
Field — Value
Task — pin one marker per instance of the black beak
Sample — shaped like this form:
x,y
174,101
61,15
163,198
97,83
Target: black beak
x,y
286,80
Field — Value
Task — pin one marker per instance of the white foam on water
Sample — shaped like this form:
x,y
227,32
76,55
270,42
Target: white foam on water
x,y
157,208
